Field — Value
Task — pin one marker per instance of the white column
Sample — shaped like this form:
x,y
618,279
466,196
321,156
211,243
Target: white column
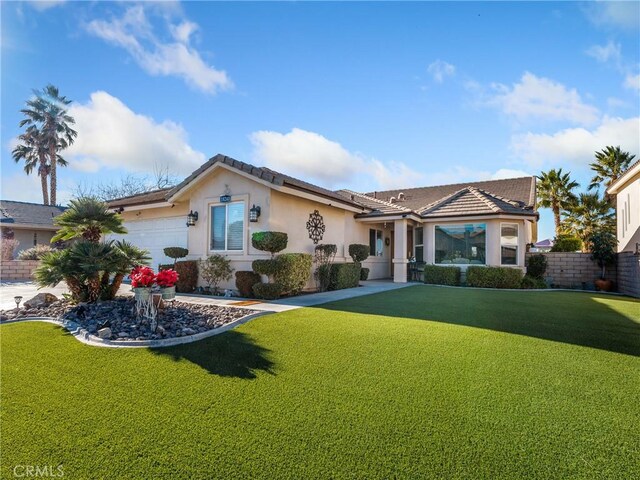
x,y
400,251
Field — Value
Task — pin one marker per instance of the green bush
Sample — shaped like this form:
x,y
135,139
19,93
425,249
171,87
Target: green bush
x,y
215,269
494,277
536,265
188,272
437,275
566,243
245,280
528,282
267,291
35,253
341,275
176,253
358,252
323,258
292,272
265,267
364,274
272,242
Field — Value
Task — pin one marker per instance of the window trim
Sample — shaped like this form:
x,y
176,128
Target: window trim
x,y
416,244
381,232
226,250
517,244
456,224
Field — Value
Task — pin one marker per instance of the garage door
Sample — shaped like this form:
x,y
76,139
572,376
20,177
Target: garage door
x,y
155,235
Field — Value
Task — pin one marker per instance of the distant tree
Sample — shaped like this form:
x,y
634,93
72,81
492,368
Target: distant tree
x,y
610,164
555,191
47,112
33,150
590,213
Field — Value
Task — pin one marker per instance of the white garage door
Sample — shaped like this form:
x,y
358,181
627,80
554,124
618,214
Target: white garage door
x,y
155,235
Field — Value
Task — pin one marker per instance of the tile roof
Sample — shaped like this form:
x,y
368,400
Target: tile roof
x,y
154,196
376,207
472,201
24,213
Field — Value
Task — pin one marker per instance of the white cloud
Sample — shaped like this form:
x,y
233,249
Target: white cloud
x,y
111,135
135,34
611,52
632,81
27,188
313,157
541,98
508,173
441,69
614,14
462,174
577,144
42,5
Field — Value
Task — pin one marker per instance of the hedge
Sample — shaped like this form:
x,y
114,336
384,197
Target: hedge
x,y
536,265
245,280
364,273
265,267
267,291
188,271
438,275
342,275
529,282
494,277
292,272
566,243
358,252
272,242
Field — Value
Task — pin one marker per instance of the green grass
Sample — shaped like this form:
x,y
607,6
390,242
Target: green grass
x,y
424,382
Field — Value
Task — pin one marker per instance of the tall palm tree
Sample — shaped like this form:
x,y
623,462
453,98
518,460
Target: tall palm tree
x,y
48,112
33,150
610,164
555,191
88,218
589,214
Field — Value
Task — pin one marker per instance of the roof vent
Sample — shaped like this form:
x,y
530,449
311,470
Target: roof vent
x,y
392,200
401,197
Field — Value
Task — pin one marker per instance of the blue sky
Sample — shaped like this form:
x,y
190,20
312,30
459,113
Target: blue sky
x,y
360,95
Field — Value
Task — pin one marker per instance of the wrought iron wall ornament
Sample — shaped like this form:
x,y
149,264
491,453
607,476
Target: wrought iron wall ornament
x,y
315,226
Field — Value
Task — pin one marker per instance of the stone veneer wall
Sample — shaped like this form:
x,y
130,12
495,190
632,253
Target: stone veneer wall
x,y
629,274
17,269
573,270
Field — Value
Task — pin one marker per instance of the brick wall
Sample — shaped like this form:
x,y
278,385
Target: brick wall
x,y
629,274
17,269
573,270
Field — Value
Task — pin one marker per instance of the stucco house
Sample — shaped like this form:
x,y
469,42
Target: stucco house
x,y
226,201
627,192
29,223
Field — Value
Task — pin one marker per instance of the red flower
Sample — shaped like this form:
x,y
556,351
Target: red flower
x,y
142,276
167,278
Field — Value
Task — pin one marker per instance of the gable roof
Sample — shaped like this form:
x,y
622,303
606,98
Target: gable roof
x,y
472,201
153,196
629,174
13,213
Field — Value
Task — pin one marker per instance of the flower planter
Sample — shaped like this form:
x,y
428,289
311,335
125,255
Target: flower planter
x,y
168,293
604,285
142,293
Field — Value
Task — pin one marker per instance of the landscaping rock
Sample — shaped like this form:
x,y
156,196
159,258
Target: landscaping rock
x,y
104,333
40,300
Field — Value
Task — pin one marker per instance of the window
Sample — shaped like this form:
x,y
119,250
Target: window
x,y
509,244
227,227
461,244
418,236
375,243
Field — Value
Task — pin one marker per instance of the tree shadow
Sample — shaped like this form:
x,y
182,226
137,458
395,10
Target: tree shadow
x,y
230,354
576,318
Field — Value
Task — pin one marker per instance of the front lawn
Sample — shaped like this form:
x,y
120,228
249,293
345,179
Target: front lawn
x,y
423,382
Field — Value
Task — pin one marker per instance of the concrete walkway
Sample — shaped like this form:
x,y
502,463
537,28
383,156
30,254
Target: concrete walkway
x,y
27,290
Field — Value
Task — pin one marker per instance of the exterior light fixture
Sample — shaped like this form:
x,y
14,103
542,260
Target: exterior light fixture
x,y
192,218
17,299
254,213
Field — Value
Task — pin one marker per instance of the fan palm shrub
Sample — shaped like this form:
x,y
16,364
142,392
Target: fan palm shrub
x,y
88,218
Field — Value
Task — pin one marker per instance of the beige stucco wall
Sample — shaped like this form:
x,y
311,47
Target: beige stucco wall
x,y
27,239
628,215
178,210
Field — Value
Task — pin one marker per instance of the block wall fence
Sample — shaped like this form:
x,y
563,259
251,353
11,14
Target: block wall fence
x,y
17,269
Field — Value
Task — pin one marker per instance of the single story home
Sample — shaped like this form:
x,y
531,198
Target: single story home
x,y
627,192
225,201
29,223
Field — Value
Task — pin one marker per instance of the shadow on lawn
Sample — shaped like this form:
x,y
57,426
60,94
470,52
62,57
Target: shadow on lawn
x,y
569,317
230,354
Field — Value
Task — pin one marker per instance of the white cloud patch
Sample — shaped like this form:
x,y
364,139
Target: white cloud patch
x,y
111,135
441,69
577,145
313,157
632,82
176,57
42,5
619,14
611,52
541,98
27,188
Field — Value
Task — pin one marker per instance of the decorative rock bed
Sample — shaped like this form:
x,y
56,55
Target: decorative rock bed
x,y
117,320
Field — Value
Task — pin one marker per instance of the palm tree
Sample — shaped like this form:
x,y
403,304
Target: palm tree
x,y
610,164
589,214
88,218
554,191
48,112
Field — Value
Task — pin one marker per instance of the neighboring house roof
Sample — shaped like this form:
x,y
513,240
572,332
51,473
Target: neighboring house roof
x,y
628,174
16,214
508,196
546,243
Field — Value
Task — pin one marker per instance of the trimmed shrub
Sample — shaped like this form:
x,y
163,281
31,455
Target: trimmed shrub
x,y
215,269
267,291
272,242
245,281
292,272
323,258
164,266
358,252
341,275
265,267
176,253
528,282
188,271
494,277
566,243
364,273
34,253
437,275
536,265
